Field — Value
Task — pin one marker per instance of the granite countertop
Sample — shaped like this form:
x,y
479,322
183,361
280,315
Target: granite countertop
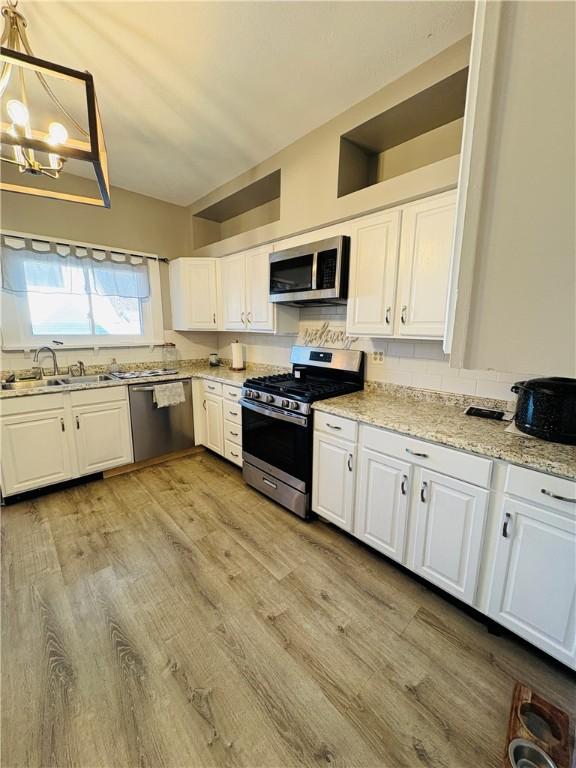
x,y
447,425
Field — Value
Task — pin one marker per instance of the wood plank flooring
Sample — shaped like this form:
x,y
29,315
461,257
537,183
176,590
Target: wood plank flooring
x,y
175,618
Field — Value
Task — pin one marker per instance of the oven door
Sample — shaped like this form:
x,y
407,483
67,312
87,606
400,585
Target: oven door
x,y
278,442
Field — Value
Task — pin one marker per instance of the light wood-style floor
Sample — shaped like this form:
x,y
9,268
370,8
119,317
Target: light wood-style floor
x,y
174,617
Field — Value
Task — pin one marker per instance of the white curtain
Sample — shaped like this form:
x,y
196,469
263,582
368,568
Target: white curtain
x,y
34,265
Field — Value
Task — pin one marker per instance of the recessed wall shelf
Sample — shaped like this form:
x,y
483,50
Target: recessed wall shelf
x,y
419,131
253,206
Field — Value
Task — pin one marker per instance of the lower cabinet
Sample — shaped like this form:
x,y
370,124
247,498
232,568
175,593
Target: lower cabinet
x,y
382,509
214,438
333,479
534,580
36,449
102,433
218,418
47,439
449,533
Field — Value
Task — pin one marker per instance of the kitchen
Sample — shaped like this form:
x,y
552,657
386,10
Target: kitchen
x,y
288,466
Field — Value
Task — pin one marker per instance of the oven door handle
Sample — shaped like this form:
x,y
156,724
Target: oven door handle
x,y
293,418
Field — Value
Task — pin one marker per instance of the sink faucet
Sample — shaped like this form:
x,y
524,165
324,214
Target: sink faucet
x,y
81,368
54,361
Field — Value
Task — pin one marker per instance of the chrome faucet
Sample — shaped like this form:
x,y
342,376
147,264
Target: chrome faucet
x,y
54,361
81,369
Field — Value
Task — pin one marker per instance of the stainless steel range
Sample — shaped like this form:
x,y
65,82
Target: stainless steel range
x,y
277,421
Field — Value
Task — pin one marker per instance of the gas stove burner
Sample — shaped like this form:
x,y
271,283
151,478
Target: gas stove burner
x,y
144,374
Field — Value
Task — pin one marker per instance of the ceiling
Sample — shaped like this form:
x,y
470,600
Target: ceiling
x,y
194,93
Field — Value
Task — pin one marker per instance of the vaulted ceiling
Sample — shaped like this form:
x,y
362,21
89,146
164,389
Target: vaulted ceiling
x,y
194,93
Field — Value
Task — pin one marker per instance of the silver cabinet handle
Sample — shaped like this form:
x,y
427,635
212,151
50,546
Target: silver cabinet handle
x,y
234,434
506,526
416,453
214,318
404,485
77,422
333,426
556,496
388,313
242,318
403,314
233,454
233,413
209,386
423,490
204,404
349,462
249,317
62,425
269,482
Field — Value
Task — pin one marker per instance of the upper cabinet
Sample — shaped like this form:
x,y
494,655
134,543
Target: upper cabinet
x,y
399,270
244,290
193,294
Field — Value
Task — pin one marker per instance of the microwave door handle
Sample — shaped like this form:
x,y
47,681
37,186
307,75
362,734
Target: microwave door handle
x,y
314,270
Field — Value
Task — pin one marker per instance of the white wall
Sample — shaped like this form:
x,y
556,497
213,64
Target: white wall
x,y
420,364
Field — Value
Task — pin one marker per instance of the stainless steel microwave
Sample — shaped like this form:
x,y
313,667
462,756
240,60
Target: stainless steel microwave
x,y
316,272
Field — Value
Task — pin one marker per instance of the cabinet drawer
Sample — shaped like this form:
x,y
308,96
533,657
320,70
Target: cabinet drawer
x,y
232,393
212,387
447,461
346,429
10,406
232,432
103,395
232,412
233,452
539,487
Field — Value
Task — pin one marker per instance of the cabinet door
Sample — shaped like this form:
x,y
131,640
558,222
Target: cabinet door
x,y
533,589
382,503
103,436
425,257
193,294
449,532
233,292
260,313
35,451
373,266
333,480
214,437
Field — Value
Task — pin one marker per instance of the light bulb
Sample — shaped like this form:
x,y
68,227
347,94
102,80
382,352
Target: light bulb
x,y
55,161
18,153
18,112
57,134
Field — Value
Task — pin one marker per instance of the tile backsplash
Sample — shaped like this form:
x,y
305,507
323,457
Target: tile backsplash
x,y
420,364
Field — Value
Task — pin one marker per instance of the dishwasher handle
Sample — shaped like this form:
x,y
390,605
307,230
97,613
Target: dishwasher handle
x,y
142,389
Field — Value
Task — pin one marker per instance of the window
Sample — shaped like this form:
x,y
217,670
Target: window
x,y
77,295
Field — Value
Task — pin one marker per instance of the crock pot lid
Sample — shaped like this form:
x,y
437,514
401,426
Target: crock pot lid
x,y
553,385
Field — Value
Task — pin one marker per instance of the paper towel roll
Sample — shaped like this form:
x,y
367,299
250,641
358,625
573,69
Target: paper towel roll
x,y
237,356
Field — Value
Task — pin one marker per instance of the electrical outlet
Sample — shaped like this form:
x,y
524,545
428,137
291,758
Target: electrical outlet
x,y
377,358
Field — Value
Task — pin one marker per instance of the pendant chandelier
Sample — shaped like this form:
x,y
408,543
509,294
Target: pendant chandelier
x,y
39,135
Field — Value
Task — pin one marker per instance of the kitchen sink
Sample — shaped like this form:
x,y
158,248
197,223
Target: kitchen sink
x,y
85,379
32,383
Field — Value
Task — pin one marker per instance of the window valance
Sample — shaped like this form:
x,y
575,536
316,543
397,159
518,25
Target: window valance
x,y
30,265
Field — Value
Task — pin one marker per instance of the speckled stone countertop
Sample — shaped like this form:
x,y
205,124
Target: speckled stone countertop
x,y
199,370
446,424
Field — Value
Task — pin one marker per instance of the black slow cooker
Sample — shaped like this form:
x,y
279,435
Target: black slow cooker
x,y
546,408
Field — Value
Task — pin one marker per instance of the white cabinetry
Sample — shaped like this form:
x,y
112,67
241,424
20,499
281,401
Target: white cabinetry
x,y
193,294
218,418
244,291
399,269
36,449
333,479
51,438
214,424
373,267
425,257
382,508
101,427
450,518
534,580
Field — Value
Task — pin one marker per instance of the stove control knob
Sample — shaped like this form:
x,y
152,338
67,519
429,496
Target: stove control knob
x,y
255,395
269,398
248,394
294,405
285,403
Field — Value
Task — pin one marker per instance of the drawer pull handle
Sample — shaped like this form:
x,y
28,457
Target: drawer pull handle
x,y
506,526
557,496
234,434
62,425
333,426
233,454
416,453
423,491
404,485
77,422
270,483
210,387
349,462
233,413
204,404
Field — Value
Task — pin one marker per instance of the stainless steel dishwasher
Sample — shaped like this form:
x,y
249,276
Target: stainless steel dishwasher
x,y
156,431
